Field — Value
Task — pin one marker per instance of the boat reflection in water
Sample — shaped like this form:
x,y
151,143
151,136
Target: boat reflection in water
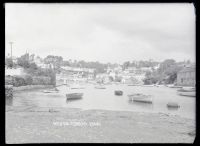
x,y
140,98
74,96
141,105
172,109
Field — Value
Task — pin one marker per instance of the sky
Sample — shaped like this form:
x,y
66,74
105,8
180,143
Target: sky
x,y
112,33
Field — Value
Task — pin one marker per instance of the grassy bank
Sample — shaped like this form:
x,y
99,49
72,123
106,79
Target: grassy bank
x,y
59,125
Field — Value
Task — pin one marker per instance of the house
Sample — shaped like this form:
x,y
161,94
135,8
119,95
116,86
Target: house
x,y
68,73
14,71
187,76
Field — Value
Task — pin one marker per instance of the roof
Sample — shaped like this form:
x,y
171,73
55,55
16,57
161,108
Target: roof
x,y
188,69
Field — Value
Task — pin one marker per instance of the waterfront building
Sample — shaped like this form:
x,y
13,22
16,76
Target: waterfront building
x,y
14,71
187,76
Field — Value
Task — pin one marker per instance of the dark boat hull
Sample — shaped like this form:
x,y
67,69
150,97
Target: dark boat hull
x,y
119,93
73,96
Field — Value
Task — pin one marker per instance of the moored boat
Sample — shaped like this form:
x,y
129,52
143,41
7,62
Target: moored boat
x,y
77,87
118,92
100,87
190,94
173,86
134,85
187,89
173,105
55,90
72,96
148,85
141,98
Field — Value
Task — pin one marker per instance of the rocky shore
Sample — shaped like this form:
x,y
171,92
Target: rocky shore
x,y
69,125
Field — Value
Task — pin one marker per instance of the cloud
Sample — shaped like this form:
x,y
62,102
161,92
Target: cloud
x,y
104,32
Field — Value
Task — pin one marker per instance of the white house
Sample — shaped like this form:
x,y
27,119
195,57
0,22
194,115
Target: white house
x,y
14,71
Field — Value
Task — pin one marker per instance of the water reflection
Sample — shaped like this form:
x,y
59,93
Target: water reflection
x,y
106,99
141,104
172,108
73,100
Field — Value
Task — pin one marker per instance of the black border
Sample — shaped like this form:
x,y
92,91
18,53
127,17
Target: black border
x,y
2,58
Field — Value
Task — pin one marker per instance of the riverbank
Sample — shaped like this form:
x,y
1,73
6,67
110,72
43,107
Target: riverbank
x,y
70,125
31,87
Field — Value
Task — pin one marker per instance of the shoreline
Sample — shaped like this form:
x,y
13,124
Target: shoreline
x,y
31,87
37,125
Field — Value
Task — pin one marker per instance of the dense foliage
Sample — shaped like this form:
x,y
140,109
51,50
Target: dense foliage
x,y
166,73
9,62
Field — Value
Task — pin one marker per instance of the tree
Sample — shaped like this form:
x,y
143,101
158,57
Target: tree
x,y
56,61
125,65
66,63
111,78
31,57
23,61
166,64
9,62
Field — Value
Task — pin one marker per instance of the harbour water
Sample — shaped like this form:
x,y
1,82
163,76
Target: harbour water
x,y
106,99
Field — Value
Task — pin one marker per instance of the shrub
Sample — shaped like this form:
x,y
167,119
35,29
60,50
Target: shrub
x,y
19,81
8,80
28,80
41,80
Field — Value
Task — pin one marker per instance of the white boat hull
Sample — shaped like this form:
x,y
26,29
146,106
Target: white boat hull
x,y
100,87
190,94
141,98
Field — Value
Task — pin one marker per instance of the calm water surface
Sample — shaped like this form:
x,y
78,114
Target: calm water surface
x,y
105,99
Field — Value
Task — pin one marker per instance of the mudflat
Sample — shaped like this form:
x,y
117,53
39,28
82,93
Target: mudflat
x,y
72,125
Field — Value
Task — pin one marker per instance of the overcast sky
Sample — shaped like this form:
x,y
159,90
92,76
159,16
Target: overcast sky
x,y
102,32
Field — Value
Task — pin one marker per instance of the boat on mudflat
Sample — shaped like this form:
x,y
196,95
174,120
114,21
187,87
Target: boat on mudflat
x,y
190,94
100,87
141,98
187,89
149,85
173,86
55,90
118,92
134,85
77,87
173,105
72,96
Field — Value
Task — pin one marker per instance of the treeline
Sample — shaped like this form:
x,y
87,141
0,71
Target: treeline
x,y
167,68
35,74
166,73
139,64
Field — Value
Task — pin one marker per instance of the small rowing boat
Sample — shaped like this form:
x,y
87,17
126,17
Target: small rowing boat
x,y
190,94
140,98
173,86
187,89
72,96
55,90
118,92
100,87
173,105
134,85
149,85
77,87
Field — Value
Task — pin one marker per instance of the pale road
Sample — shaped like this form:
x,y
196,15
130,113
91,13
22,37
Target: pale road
x,y
63,125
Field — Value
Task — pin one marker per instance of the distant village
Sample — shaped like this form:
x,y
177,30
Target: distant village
x,y
137,72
